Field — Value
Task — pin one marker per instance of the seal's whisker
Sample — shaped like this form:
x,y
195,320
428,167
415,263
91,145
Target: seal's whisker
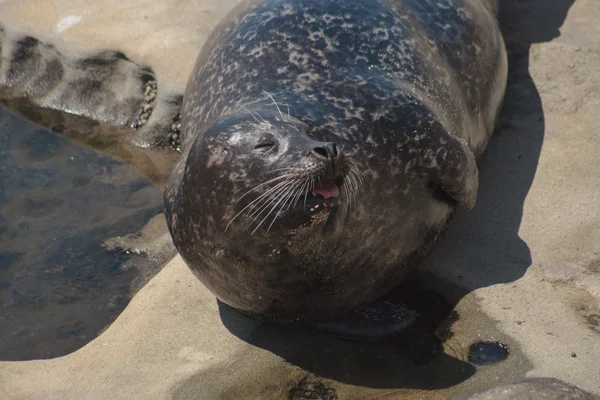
x,y
250,112
289,117
286,169
281,198
309,184
287,190
299,193
264,207
290,195
358,168
353,188
353,180
262,200
303,190
260,116
270,192
263,184
249,206
258,199
349,185
267,198
276,106
357,178
270,201
290,201
294,199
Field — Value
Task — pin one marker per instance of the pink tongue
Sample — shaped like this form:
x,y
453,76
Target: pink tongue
x,y
327,190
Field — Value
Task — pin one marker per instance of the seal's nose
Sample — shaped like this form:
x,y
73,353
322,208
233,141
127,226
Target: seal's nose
x,y
327,151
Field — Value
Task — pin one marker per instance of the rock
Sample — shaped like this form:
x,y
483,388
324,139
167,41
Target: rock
x,y
535,389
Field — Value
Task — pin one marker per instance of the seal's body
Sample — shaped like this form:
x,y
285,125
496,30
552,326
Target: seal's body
x,y
325,145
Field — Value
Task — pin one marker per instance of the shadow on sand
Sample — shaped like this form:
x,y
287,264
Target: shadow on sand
x,y
481,247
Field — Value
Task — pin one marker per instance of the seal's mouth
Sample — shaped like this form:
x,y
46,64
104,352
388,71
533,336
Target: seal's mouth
x,y
288,201
325,195
322,199
324,189
327,190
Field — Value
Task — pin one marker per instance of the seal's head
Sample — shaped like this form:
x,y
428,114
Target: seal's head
x,y
269,172
257,197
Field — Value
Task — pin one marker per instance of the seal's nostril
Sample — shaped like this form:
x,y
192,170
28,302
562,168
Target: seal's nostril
x,y
329,150
333,149
322,151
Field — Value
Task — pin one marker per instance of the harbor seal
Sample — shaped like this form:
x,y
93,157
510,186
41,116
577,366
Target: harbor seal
x,y
325,146
98,98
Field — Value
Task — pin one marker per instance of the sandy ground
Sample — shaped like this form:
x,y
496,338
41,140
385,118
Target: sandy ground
x,y
522,268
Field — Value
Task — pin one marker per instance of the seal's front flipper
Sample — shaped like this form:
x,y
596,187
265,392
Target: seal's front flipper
x,y
455,169
376,322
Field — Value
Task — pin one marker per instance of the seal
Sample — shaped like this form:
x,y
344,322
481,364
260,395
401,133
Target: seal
x,y
100,99
325,147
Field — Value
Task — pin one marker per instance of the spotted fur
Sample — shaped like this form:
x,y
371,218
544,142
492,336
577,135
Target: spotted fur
x,y
409,89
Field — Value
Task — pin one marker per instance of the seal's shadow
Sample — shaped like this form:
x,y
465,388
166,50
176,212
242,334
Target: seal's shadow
x,y
481,247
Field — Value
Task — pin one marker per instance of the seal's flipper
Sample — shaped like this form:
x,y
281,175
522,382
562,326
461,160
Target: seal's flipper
x,y
376,322
456,171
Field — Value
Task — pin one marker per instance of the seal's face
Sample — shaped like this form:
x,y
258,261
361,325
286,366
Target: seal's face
x,y
275,172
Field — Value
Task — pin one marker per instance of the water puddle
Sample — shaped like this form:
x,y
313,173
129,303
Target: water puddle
x,y
485,353
59,203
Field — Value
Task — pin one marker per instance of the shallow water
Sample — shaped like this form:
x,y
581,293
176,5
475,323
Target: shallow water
x,y
59,202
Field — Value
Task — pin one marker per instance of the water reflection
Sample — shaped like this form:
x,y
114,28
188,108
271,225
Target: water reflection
x,y
59,202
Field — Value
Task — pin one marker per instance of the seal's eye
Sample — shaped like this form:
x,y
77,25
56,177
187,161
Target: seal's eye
x,y
264,145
